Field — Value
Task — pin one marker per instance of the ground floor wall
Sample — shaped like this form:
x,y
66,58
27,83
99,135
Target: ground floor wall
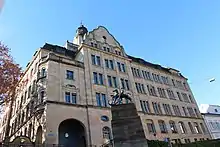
x,y
94,119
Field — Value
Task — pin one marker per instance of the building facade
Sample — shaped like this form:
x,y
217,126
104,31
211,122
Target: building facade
x,y
64,92
211,115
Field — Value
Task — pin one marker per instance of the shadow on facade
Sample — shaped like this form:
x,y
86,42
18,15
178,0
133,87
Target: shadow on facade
x,y
72,133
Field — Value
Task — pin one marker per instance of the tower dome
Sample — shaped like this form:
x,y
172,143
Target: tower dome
x,y
82,30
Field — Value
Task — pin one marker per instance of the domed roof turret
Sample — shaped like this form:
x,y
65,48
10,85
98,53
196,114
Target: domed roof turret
x,y
82,30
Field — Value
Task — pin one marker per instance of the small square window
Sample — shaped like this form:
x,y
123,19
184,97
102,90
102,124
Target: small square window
x,y
216,110
69,75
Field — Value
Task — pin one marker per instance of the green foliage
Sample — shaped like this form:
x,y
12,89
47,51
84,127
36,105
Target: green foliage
x,y
156,143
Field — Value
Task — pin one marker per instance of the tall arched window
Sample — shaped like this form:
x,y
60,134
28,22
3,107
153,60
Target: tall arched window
x,y
173,126
29,91
150,126
191,127
29,130
197,129
162,126
182,127
106,132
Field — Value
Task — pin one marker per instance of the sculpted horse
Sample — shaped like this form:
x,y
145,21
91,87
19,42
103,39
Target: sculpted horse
x,y
117,98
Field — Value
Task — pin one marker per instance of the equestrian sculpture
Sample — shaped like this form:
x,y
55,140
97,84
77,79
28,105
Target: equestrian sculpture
x,y
117,97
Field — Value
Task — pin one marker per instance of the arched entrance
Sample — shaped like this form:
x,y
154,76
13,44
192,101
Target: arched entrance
x,y
38,140
72,133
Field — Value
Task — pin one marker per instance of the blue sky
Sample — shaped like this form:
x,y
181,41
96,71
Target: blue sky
x,y
181,34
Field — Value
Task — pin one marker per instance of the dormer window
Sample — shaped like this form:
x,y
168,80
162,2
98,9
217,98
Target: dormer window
x,y
104,48
108,49
92,44
96,45
216,110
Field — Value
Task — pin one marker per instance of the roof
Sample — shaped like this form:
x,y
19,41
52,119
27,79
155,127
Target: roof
x,y
71,53
59,49
156,66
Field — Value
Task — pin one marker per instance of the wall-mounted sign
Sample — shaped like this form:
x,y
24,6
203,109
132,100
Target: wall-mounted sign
x,y
104,118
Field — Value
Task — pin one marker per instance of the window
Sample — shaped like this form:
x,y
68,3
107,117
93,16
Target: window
x,y
176,110
203,128
106,63
216,110
101,100
123,67
179,96
98,99
111,64
96,60
170,94
67,97
42,95
98,78
109,81
173,82
191,112
185,86
95,78
104,100
93,59
69,75
150,126
196,112
162,126
167,109
29,130
151,90
173,126
182,127
196,127
165,80
157,108
161,92
114,82
74,101
119,66
127,85
140,88
43,72
191,128
122,84
70,98
185,97
184,111
190,98
145,106
106,133
29,91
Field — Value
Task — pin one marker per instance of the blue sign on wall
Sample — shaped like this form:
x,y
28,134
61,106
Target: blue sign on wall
x,y
104,118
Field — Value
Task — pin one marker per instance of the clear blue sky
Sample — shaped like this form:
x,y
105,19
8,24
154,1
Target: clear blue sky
x,y
181,34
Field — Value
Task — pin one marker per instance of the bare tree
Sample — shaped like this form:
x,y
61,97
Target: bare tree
x,y
10,73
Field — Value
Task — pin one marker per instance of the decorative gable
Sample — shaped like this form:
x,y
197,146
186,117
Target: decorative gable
x,y
102,35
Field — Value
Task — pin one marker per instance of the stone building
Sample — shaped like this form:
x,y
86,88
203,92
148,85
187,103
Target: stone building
x,y
211,115
64,93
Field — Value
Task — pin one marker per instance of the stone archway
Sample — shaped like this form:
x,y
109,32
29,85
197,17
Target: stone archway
x,y
72,133
39,134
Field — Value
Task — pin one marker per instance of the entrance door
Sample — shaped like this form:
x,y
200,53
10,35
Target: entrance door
x,y
72,134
